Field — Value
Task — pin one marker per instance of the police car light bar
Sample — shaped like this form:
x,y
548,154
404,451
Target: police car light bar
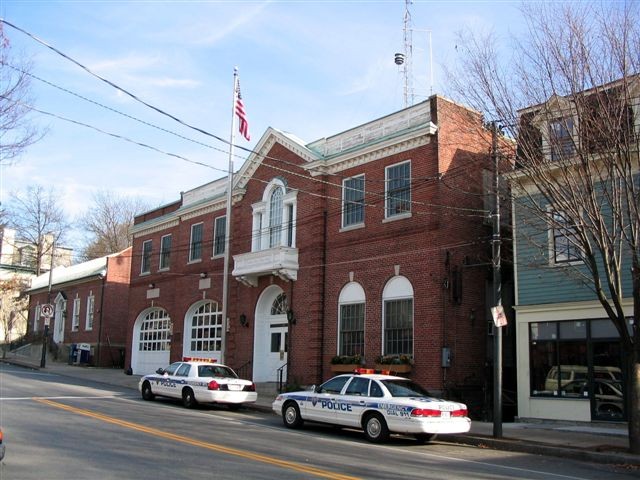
x,y
199,359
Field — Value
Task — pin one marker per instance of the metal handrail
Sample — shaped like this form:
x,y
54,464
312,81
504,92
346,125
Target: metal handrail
x,y
243,370
279,375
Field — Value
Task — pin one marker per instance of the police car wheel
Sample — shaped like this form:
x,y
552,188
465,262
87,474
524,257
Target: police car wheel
x,y
291,415
188,398
147,393
423,438
375,428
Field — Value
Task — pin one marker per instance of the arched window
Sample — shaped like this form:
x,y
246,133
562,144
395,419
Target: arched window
x,y
397,299
275,218
351,320
155,331
206,328
280,305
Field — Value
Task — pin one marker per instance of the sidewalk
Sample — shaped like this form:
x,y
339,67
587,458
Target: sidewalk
x,y
600,443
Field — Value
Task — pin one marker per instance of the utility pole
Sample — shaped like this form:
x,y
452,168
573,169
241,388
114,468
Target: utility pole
x,y
497,289
45,335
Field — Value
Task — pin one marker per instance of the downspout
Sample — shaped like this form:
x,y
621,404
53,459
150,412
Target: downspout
x,y
323,291
103,276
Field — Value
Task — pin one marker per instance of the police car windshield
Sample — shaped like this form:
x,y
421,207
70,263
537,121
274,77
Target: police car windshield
x,y
404,388
215,371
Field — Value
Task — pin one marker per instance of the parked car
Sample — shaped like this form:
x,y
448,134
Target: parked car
x,y
378,404
608,395
2,447
198,381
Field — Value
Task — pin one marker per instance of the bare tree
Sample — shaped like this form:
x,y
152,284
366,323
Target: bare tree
x,y
16,130
108,222
569,93
38,221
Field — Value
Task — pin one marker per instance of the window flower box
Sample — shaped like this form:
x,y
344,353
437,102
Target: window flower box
x,y
395,363
346,363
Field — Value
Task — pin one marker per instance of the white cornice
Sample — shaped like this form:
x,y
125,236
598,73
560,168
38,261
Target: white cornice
x,y
373,152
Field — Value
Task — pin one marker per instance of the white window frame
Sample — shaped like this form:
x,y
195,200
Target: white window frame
x,y
217,223
89,316
398,288
75,316
567,147
145,263
261,228
192,258
165,253
555,233
351,294
358,204
392,212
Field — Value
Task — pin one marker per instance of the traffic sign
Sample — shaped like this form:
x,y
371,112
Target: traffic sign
x,y
46,310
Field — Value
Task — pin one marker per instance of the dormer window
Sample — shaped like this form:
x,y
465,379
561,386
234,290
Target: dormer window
x,y
561,138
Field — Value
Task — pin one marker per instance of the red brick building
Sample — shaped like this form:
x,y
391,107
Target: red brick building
x,y
90,302
364,243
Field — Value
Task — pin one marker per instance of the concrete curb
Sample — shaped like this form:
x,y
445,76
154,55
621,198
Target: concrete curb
x,y
535,448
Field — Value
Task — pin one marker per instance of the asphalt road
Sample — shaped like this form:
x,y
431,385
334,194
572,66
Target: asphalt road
x,y
57,428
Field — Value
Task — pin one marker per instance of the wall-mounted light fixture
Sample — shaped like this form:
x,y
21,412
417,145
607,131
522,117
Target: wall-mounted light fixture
x,y
472,316
291,317
152,285
243,320
203,275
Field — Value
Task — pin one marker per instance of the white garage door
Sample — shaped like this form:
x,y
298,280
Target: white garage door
x,y
151,341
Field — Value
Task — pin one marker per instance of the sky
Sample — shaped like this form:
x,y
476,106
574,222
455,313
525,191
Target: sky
x,y
310,68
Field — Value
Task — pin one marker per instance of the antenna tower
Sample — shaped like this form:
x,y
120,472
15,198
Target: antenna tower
x,y
407,69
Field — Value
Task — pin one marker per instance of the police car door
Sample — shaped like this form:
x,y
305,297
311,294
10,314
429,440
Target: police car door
x,y
323,403
161,386
353,402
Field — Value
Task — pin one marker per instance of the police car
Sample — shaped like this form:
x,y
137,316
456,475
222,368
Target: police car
x,y
198,380
377,403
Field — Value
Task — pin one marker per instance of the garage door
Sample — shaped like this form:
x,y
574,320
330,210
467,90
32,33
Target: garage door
x,y
152,341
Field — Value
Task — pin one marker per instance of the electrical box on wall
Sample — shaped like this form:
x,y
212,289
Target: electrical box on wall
x,y
446,357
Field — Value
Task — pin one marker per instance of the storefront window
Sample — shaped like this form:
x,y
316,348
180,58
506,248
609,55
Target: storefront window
x,y
578,359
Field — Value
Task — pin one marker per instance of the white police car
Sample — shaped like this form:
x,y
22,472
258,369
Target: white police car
x,y
198,380
377,403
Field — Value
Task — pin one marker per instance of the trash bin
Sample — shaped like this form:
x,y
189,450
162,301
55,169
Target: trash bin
x,y
84,356
73,354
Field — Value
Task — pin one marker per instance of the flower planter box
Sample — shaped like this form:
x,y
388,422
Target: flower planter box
x,y
394,367
344,367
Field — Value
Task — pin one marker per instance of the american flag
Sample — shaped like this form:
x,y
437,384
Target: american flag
x,y
243,126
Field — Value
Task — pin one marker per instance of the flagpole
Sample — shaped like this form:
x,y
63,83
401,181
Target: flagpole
x,y
225,275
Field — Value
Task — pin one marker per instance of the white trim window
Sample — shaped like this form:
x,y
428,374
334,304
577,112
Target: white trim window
x,y
561,138
219,235
195,243
91,301
165,252
351,311
397,317
398,189
206,328
564,247
353,201
75,317
274,218
145,264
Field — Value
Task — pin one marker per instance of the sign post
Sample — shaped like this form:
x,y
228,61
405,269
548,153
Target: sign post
x,y
46,312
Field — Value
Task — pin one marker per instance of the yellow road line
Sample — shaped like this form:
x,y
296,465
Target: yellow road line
x,y
198,443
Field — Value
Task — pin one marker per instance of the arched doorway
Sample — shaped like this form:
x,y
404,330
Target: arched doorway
x,y
203,330
271,332
151,342
60,303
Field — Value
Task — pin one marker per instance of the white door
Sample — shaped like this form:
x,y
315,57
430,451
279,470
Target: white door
x,y
151,341
58,321
271,336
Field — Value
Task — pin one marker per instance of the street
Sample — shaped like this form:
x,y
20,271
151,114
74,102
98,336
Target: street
x,y
59,428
